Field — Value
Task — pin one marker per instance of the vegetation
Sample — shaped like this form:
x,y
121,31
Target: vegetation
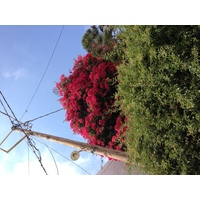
x,y
160,96
102,42
153,94
88,97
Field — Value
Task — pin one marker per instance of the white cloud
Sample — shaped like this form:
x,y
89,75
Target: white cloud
x,y
10,166
36,169
16,74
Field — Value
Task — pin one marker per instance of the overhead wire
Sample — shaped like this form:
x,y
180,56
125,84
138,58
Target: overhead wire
x,y
15,118
8,107
6,112
26,110
27,122
30,142
50,153
64,156
28,161
33,143
12,122
43,116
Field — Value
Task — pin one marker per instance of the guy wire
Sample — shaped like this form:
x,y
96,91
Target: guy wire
x,y
19,124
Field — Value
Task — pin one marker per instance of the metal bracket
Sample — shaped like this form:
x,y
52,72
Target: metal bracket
x,y
7,151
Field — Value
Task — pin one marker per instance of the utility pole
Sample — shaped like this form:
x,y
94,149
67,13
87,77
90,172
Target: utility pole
x,y
119,155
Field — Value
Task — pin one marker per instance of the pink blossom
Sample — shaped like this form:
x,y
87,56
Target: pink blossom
x,y
86,94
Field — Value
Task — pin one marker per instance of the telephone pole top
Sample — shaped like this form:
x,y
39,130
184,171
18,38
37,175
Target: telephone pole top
x,y
118,155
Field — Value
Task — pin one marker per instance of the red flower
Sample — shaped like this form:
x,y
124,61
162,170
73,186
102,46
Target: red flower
x,y
114,139
102,122
88,98
118,147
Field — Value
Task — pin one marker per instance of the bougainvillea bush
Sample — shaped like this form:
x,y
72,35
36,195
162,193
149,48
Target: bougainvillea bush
x,y
88,96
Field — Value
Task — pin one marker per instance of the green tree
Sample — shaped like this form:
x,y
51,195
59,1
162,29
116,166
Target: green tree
x,y
102,41
159,89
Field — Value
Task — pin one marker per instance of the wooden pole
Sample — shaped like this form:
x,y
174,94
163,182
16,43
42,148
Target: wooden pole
x,y
119,155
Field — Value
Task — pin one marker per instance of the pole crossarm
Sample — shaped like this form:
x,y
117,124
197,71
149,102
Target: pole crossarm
x,y
7,151
118,155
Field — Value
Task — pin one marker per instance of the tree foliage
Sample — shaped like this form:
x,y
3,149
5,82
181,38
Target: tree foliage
x,y
146,78
103,42
160,96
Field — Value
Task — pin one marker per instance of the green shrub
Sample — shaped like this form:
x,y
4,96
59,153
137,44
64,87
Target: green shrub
x,y
160,96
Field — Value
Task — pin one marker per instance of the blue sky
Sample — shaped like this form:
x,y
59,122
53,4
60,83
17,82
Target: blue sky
x,y
24,55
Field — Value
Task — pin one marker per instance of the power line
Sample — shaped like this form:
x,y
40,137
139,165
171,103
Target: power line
x,y
30,142
51,155
43,116
43,73
5,108
28,160
27,124
64,157
7,115
8,106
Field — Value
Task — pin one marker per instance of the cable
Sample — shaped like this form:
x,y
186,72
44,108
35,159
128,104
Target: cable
x,y
10,117
64,157
51,155
29,141
7,115
6,112
28,160
43,116
43,73
104,169
8,106
27,124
